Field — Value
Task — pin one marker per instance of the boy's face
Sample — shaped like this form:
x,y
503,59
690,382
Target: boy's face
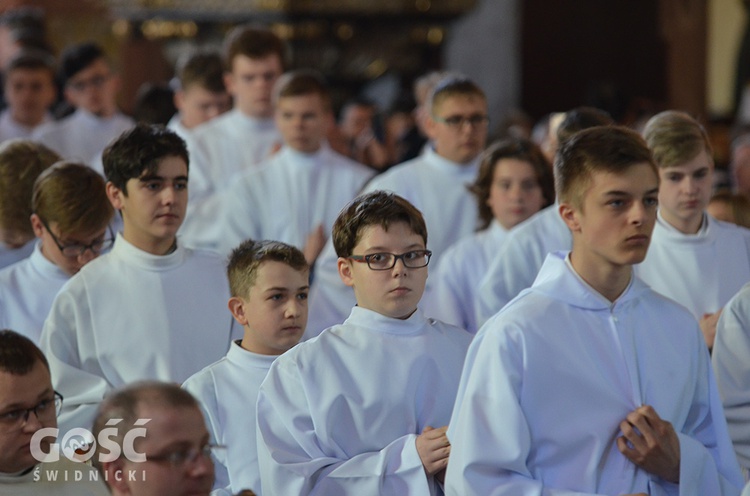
x,y
614,224
94,89
251,82
21,392
154,206
685,191
169,430
198,105
463,142
274,314
395,292
52,239
302,121
29,93
515,194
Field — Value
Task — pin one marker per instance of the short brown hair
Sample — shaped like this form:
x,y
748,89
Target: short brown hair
x,y
379,208
73,196
203,69
581,118
18,354
452,86
254,42
32,60
21,161
517,148
246,259
611,149
300,83
675,138
126,402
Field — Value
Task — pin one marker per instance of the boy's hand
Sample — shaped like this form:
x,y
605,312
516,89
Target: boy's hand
x,y
433,448
708,327
655,445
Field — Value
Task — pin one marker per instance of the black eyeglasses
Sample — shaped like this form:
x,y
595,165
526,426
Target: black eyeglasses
x,y
457,121
75,250
188,456
414,259
45,410
96,81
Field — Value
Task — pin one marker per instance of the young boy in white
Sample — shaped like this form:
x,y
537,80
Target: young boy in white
x,y
513,183
149,309
589,382
363,407
295,195
436,183
70,219
268,281
91,87
694,259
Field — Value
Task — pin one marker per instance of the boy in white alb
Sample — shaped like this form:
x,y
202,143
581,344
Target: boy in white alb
x,y
246,135
363,407
296,195
21,162
517,262
694,259
150,308
513,183
269,284
91,87
589,382
435,182
70,219
29,89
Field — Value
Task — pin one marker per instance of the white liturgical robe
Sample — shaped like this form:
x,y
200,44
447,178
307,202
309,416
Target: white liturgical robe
x,y
27,289
515,265
228,145
129,315
731,360
548,380
340,414
288,196
456,279
83,136
228,392
9,256
703,271
10,129
433,184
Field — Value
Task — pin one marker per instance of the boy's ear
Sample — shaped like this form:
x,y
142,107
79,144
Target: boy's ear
x,y
36,225
570,215
237,308
116,475
115,195
345,271
229,82
178,99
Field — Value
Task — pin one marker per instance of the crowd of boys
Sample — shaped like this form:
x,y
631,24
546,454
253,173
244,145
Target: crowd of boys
x,y
576,360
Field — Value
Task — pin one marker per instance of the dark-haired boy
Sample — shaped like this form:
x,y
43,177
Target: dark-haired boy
x,y
150,308
296,195
268,281
91,87
70,220
29,89
590,382
363,407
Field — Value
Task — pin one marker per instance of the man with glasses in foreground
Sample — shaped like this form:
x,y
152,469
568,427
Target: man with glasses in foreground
x,y
70,219
27,404
171,456
363,408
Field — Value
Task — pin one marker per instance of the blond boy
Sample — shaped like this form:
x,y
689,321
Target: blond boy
x,y
269,283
